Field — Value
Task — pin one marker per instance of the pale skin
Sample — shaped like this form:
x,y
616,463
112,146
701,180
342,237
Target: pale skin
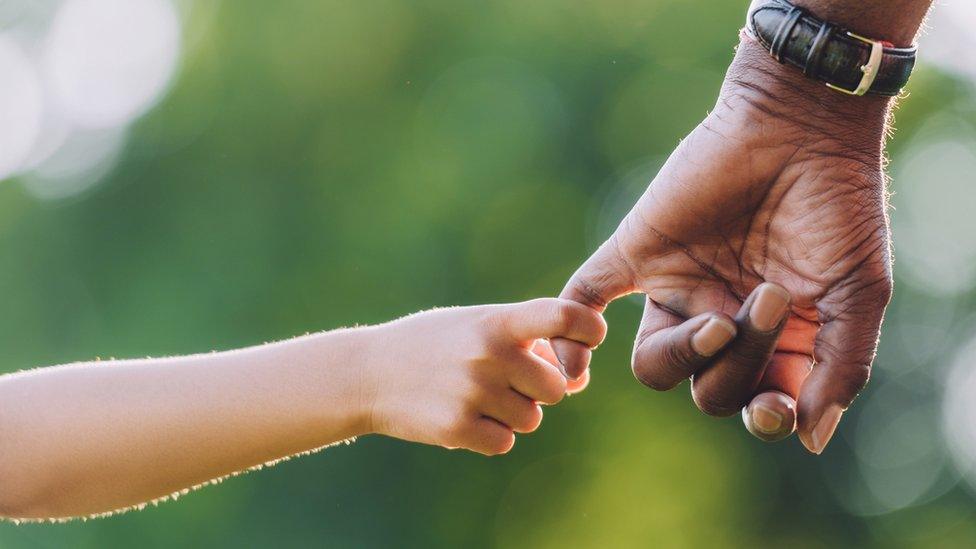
x,y
90,438
763,244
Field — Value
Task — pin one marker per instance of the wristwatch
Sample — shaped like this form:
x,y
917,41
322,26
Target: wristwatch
x,y
846,62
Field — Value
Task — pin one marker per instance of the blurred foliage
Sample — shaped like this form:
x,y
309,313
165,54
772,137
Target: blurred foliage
x,y
321,164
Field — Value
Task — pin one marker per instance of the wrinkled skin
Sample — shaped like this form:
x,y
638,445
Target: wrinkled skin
x,y
766,188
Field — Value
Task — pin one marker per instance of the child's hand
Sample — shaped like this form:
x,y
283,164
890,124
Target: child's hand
x,y
544,349
467,377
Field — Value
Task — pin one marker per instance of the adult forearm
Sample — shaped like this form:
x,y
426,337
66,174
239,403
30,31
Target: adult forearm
x,y
89,438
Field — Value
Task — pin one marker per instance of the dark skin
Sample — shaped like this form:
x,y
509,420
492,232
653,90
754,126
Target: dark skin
x,y
781,187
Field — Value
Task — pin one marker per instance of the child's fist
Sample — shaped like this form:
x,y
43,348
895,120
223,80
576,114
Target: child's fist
x,y
467,377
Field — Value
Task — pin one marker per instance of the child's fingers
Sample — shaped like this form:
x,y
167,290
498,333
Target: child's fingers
x,y
537,379
513,410
552,317
577,385
487,436
543,349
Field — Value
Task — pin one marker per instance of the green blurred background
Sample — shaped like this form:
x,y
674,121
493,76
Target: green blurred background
x,y
321,164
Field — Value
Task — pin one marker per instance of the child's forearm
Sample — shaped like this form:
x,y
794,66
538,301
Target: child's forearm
x,y
94,437
91,438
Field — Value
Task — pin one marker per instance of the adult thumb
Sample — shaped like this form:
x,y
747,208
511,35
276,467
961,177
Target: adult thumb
x,y
604,277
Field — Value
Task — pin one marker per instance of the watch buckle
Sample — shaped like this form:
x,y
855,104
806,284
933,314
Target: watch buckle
x,y
870,69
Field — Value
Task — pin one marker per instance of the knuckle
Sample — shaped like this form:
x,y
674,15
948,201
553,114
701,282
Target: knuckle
x,y
753,353
645,334
590,324
590,292
858,377
471,400
494,326
649,377
527,421
453,433
555,397
713,405
533,419
874,285
885,288
600,327
564,316
553,389
663,367
500,444
678,354
483,356
714,409
468,404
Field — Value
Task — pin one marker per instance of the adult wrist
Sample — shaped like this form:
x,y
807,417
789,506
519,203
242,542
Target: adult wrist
x,y
784,99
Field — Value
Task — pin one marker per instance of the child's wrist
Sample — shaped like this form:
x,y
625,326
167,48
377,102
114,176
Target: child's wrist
x,y
365,361
365,365
345,379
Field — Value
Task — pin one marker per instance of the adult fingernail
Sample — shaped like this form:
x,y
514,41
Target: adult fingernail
x,y
769,307
713,336
766,420
562,360
824,429
560,363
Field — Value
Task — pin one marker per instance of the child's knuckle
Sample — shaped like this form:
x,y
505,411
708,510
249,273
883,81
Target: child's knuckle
x,y
485,347
470,400
504,443
565,316
599,326
476,368
455,431
499,443
446,435
553,388
532,419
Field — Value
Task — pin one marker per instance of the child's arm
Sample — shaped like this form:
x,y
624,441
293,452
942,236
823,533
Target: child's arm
x,y
89,438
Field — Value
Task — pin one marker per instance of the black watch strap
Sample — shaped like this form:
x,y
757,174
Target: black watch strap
x,y
845,61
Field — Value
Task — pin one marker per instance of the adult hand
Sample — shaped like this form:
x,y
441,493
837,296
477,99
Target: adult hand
x,y
763,248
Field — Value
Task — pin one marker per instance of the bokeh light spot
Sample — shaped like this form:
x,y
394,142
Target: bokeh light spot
x,y
109,60
934,201
21,107
83,159
959,411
